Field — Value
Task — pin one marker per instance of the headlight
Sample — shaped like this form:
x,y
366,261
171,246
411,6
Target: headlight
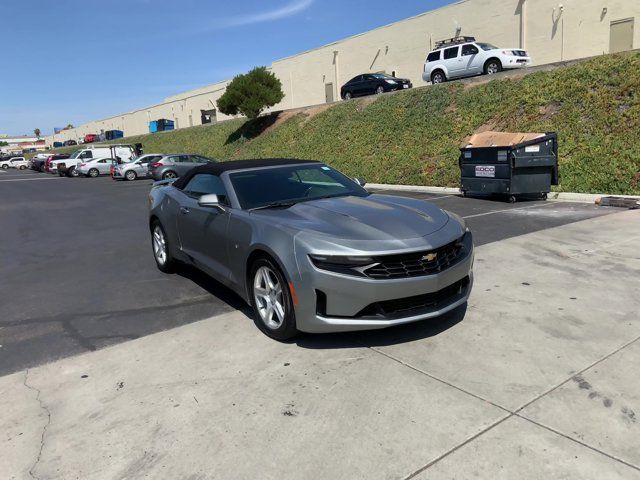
x,y
341,264
391,82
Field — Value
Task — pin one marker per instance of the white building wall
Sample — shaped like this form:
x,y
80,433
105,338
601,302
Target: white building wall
x,y
548,33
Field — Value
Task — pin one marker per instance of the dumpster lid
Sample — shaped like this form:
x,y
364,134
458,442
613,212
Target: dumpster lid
x,y
500,139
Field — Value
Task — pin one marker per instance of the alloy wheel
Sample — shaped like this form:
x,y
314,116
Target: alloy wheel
x,y
492,68
379,90
169,175
159,245
268,297
131,175
437,78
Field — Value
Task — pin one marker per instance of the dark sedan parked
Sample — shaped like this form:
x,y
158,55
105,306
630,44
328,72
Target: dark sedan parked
x,y
372,83
38,163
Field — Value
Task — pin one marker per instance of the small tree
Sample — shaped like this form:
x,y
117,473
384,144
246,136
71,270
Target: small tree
x,y
251,93
37,132
68,127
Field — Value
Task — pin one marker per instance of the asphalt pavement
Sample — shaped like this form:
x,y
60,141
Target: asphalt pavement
x,y
77,272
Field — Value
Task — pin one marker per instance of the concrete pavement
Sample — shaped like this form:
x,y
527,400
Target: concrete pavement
x,y
534,379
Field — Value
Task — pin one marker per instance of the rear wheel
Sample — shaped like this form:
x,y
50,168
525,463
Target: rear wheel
x,y
438,77
161,252
348,96
169,175
492,67
271,300
130,175
94,172
72,172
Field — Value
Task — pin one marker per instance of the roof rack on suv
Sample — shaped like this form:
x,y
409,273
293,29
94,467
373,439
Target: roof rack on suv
x,y
453,41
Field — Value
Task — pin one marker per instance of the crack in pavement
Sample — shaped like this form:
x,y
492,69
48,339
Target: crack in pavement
x,y
44,430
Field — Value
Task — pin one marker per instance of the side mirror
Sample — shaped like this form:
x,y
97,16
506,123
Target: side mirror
x,y
210,200
360,181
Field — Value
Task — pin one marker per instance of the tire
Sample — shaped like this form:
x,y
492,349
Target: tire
x,y
169,175
72,172
380,90
278,323
348,96
94,172
60,174
130,175
160,247
438,77
5,167
512,199
493,66
22,167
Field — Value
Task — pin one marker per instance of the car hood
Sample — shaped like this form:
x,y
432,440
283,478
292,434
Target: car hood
x,y
376,217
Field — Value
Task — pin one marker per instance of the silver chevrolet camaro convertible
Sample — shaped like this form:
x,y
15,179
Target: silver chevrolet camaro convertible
x,y
310,249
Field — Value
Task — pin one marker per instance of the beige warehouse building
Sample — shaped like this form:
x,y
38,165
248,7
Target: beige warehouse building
x,y
550,30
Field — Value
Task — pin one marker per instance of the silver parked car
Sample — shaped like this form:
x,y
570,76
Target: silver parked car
x,y
137,168
175,165
94,167
310,249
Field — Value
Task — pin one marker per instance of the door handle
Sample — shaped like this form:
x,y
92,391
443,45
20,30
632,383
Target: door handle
x,y
184,210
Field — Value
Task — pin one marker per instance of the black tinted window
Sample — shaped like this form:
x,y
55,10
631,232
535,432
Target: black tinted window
x,y
206,184
469,50
451,52
433,56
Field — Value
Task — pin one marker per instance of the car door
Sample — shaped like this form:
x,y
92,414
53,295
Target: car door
x,y
183,164
103,165
470,60
369,85
141,166
355,85
203,230
452,61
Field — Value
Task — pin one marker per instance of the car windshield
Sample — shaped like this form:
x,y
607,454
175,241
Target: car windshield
x,y
486,46
285,186
75,154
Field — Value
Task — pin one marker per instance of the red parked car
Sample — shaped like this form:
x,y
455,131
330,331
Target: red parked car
x,y
90,138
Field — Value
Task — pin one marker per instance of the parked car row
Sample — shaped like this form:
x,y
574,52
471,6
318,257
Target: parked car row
x,y
122,162
452,58
19,163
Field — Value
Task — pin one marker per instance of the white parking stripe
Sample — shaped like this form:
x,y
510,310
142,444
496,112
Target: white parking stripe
x,y
29,179
502,211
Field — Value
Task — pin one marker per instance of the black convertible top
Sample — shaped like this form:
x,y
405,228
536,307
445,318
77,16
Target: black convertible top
x,y
220,167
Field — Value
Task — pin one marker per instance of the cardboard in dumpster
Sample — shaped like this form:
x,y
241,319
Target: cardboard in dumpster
x,y
500,139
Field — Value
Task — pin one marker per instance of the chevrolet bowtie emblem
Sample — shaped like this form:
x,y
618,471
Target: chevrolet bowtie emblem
x,y
430,257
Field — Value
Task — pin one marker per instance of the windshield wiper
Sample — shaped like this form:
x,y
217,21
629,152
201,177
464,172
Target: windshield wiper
x,y
274,205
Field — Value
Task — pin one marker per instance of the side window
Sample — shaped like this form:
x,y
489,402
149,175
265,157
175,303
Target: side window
x,y
174,159
86,154
146,160
184,159
469,49
433,56
451,52
206,184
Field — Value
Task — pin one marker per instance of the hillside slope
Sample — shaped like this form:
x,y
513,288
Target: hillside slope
x,y
413,137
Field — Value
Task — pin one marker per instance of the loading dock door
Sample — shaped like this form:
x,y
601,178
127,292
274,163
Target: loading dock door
x,y
621,37
208,116
328,92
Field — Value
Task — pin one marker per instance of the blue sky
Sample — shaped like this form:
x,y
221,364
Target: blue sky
x,y
72,61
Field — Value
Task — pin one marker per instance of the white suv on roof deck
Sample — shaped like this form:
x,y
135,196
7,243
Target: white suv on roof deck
x,y
464,57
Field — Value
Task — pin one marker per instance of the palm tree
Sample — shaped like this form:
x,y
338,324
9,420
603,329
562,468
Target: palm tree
x,y
37,132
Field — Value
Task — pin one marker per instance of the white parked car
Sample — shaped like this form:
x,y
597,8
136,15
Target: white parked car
x,y
95,167
15,162
464,57
124,152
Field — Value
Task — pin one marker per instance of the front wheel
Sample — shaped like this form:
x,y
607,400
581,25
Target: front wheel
x,y
348,96
492,67
72,172
5,167
271,300
379,90
22,167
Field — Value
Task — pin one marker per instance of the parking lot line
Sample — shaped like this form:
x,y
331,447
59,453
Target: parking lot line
x,y
508,210
29,179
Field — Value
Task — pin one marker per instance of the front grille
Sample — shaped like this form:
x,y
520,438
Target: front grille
x,y
416,264
408,306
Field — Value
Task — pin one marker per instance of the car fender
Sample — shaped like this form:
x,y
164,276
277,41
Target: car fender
x,y
426,76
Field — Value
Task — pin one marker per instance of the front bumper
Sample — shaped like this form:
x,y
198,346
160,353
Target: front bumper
x,y
516,62
334,302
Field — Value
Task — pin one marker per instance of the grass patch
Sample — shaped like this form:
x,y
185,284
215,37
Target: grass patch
x,y
413,137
